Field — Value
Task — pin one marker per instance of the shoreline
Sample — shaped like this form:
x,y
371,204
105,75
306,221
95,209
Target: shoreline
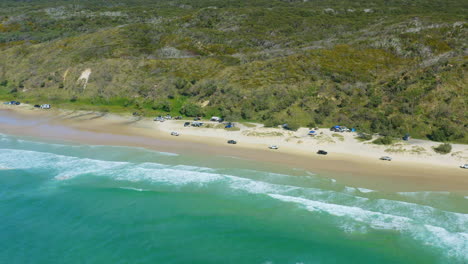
x,y
349,161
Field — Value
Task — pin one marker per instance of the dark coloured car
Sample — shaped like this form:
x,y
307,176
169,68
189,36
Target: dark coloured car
x,y
186,124
232,142
322,152
37,106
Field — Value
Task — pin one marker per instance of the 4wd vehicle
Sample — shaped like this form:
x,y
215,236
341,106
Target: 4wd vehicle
x,y
186,124
464,166
175,134
232,142
406,137
322,152
273,147
387,158
13,103
197,124
159,118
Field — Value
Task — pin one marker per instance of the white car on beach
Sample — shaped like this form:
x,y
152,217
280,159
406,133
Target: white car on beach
x,y
464,166
273,147
387,158
175,134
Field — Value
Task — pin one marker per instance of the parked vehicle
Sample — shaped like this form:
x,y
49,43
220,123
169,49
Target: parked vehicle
x,y
197,118
322,152
229,125
215,118
232,142
387,158
175,134
159,118
186,124
13,103
406,137
168,117
37,106
197,124
177,117
44,106
273,147
465,166
340,129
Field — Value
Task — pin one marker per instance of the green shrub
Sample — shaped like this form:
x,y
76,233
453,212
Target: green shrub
x,y
383,140
445,133
364,136
443,148
191,109
163,105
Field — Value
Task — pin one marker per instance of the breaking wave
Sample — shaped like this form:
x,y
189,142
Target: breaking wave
x,y
353,209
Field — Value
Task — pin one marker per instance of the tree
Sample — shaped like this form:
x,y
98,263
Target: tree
x,y
191,109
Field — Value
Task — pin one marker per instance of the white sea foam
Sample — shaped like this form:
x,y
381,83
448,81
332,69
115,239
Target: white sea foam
x,y
422,195
455,243
374,219
134,189
168,154
364,190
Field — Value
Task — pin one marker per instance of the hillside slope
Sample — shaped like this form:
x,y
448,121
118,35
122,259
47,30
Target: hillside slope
x,y
391,67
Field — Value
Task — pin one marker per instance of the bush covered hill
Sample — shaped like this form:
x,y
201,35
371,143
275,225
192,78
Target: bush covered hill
x,y
386,66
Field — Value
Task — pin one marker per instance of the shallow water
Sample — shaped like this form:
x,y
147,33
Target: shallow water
x,y
68,203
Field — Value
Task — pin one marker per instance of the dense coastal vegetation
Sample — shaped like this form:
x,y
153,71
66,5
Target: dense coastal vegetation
x,y
389,67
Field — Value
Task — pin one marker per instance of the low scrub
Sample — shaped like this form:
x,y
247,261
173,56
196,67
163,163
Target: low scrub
x,y
364,137
443,148
340,137
383,140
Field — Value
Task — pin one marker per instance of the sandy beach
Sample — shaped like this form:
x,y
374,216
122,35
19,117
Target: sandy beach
x,y
415,166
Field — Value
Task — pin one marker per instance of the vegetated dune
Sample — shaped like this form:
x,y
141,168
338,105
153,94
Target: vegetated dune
x,y
391,68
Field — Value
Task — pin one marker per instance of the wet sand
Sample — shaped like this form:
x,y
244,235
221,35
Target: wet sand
x,y
109,129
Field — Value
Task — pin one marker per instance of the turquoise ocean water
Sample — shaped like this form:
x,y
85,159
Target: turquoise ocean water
x,y
68,203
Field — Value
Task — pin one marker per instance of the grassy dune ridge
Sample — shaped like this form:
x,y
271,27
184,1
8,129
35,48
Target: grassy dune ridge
x,y
389,67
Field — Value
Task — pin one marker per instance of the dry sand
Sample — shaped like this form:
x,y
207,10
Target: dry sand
x,y
415,165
